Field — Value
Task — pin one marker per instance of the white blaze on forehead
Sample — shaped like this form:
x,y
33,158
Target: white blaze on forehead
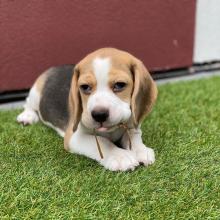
x,y
101,68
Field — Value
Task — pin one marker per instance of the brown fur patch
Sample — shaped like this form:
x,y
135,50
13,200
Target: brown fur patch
x,y
39,83
68,134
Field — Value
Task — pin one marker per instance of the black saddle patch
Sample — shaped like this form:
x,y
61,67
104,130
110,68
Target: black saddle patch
x,y
54,102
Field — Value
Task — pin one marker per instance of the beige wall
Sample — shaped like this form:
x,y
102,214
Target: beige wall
x,y
207,31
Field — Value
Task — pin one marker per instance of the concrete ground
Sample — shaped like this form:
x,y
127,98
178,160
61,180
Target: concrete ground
x,y
189,77
19,104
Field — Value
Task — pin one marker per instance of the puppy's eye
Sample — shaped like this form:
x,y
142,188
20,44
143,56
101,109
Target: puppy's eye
x,y
86,88
119,86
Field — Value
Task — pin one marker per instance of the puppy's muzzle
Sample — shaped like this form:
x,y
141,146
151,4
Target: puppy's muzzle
x,y
100,115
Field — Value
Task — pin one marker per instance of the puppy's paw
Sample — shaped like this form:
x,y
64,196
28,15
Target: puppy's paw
x,y
27,117
120,160
145,155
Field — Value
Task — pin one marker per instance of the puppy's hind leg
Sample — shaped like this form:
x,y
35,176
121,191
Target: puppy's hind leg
x,y
29,114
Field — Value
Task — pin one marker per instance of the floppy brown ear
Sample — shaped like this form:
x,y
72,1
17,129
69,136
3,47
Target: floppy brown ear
x,y
144,92
75,108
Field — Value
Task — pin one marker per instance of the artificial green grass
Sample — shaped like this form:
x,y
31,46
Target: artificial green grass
x,y
39,180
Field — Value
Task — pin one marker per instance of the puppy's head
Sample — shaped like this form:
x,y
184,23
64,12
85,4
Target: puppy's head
x,y
110,87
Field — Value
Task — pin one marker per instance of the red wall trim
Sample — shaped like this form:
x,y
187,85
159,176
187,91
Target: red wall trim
x,y
38,34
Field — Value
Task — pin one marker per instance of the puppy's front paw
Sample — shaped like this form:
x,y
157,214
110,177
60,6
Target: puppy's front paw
x,y
145,155
120,160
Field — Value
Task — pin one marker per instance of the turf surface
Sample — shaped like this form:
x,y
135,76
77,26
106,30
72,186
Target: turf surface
x,y
39,180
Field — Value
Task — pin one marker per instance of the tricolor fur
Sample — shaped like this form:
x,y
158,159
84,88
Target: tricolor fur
x,y
107,88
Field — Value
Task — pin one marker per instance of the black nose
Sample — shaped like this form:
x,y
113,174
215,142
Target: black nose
x,y
100,115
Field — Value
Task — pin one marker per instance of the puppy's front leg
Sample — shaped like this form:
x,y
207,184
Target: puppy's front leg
x,y
115,159
144,154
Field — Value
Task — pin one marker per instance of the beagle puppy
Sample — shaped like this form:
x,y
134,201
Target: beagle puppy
x,y
106,89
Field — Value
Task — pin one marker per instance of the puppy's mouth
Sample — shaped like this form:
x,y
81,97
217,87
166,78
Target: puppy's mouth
x,y
104,128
